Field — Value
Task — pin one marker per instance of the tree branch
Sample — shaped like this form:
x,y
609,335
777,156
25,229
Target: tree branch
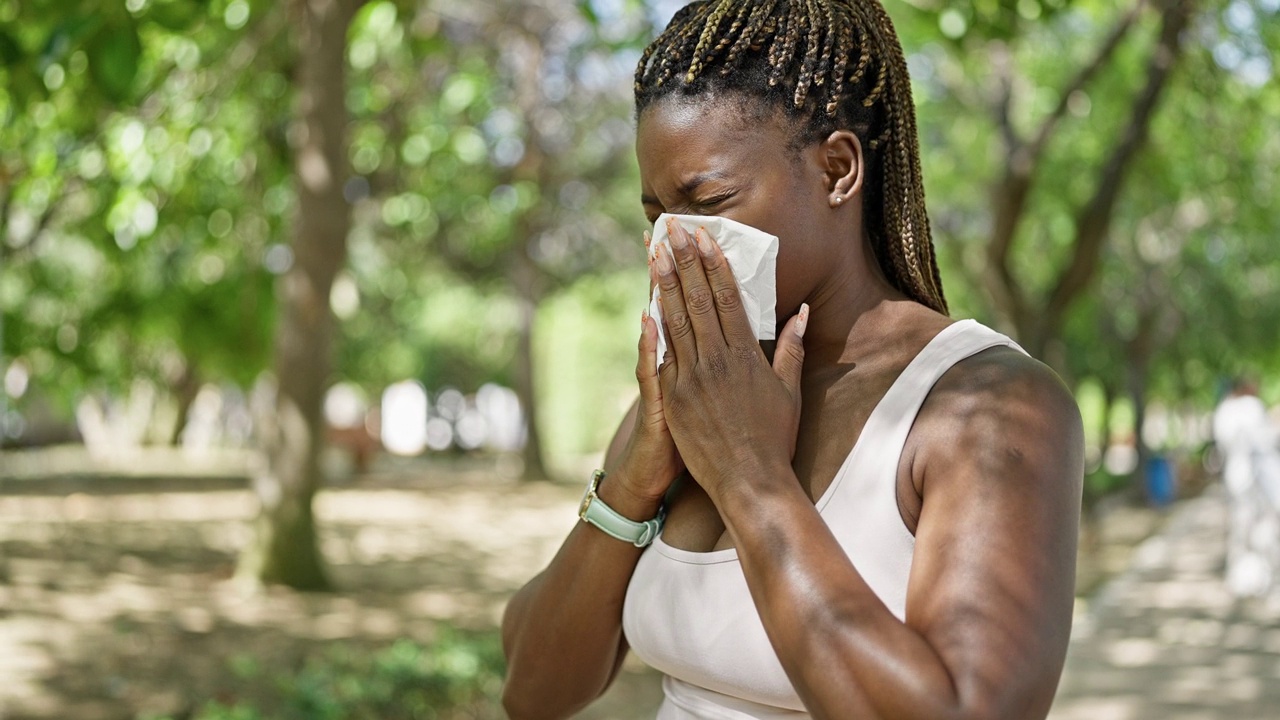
x,y
1082,78
1094,219
1002,64
1021,160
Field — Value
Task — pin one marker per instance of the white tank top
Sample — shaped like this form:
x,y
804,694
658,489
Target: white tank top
x,y
690,615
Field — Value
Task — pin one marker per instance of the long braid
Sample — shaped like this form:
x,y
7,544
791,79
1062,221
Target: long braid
x,y
829,64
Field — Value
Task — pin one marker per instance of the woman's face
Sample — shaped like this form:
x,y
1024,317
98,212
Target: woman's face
x,y
712,158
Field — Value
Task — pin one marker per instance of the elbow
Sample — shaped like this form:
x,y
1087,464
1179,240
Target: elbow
x,y
521,703
516,704
534,690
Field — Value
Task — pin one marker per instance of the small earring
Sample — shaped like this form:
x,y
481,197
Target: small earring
x,y
839,200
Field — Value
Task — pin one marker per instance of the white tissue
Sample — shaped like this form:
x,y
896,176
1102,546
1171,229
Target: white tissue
x,y
753,257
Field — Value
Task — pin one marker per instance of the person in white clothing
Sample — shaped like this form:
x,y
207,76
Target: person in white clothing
x,y
1247,443
874,516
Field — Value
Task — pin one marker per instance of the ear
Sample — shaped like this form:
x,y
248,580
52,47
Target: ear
x,y
843,163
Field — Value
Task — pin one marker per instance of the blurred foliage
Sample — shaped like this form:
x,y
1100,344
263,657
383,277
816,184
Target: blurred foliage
x,y
457,676
145,191
144,181
146,202
1100,482
1189,282
588,335
480,137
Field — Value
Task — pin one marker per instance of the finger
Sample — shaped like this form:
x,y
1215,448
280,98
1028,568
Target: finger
x,y
653,276
679,329
668,353
788,356
728,297
667,370
646,369
698,300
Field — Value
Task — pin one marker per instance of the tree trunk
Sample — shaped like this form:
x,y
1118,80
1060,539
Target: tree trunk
x,y
285,549
1039,318
1139,349
185,390
1137,382
525,282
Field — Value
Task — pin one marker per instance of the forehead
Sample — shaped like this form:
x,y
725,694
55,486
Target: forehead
x,y
681,136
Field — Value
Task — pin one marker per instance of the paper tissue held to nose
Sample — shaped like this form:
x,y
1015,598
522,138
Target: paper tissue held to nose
x,y
753,257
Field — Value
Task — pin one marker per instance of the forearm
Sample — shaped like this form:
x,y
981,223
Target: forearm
x,y
844,651
562,632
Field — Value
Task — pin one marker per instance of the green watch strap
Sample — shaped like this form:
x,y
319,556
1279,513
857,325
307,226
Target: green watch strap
x,y
595,511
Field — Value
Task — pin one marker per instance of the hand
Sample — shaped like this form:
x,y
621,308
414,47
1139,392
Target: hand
x,y
731,414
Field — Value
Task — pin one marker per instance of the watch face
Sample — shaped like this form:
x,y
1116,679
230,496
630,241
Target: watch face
x,y
590,494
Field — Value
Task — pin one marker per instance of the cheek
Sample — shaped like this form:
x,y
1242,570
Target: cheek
x,y
796,265
783,208
793,258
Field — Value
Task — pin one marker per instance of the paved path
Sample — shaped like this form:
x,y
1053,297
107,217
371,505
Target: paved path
x,y
1166,641
115,606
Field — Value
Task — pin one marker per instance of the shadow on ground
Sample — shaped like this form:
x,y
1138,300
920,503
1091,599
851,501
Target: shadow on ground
x,y
117,601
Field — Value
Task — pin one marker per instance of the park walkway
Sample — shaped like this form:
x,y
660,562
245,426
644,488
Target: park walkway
x,y
119,604
1165,640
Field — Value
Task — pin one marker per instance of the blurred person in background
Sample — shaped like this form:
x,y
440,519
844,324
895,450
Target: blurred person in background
x,y
875,516
1247,443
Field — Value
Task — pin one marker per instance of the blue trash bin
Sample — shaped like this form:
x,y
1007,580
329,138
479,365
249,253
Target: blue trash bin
x,y
1162,486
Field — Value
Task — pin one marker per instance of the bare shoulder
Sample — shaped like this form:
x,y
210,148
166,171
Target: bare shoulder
x,y
1001,409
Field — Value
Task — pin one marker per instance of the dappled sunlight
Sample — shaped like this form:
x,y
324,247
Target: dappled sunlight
x,y
112,601
1169,628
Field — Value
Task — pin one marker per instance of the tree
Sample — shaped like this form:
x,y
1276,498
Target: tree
x,y
136,154
1139,286
496,154
146,124
285,549
1037,314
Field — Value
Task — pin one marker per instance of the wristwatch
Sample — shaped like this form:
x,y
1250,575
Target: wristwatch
x,y
594,510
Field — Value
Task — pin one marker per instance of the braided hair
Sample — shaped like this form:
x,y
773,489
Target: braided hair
x,y
827,64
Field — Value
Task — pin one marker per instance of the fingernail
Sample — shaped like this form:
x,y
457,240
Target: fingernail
x,y
665,266
679,240
704,242
803,321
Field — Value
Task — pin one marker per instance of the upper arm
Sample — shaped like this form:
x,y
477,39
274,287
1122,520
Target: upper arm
x,y
999,463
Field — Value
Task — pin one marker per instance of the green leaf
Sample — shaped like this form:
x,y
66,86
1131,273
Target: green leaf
x,y
63,38
176,16
10,52
114,52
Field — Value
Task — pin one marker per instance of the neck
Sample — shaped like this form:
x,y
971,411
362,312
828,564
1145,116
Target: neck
x,y
845,312
848,309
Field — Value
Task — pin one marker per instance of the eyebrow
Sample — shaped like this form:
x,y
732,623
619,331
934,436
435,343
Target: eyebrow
x,y
689,186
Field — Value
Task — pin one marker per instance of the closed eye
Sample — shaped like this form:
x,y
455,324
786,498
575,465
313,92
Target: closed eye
x,y
713,202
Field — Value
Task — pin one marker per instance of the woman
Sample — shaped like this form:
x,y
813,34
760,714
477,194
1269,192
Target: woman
x,y
877,517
